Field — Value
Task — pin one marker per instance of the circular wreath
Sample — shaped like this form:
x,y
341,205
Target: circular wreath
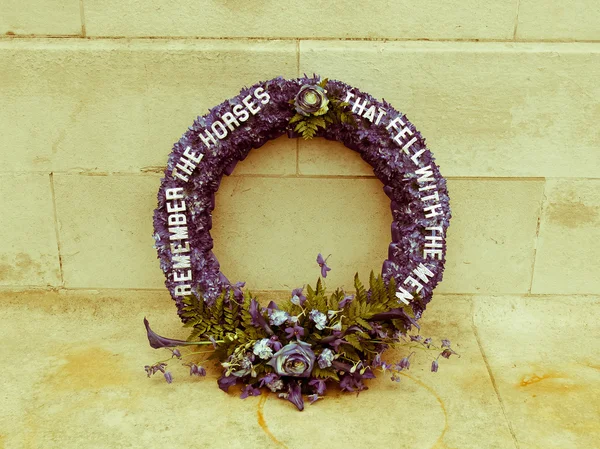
x,y
299,345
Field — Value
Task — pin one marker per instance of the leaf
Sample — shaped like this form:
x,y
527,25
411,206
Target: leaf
x,y
361,294
327,373
323,83
318,121
296,118
363,323
353,340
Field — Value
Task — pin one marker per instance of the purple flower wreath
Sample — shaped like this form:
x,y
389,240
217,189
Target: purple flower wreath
x,y
308,340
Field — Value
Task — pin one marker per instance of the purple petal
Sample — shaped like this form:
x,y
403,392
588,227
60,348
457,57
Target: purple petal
x,y
226,382
313,398
320,259
324,270
168,377
156,341
258,320
434,366
295,395
319,386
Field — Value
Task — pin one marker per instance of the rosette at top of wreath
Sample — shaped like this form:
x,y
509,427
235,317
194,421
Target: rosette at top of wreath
x,y
302,344
316,109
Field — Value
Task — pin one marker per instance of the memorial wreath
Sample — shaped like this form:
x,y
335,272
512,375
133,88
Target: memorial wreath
x,y
312,338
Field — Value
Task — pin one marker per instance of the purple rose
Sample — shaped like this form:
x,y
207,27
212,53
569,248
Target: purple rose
x,y
311,100
294,359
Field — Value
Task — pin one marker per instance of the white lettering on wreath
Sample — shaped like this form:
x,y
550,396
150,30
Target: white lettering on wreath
x,y
220,129
405,138
229,121
180,246
421,272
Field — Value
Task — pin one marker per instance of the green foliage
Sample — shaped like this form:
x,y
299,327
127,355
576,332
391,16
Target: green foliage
x,y
327,373
230,322
307,126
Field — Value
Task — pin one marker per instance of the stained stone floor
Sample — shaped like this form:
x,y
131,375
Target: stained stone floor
x,y
72,377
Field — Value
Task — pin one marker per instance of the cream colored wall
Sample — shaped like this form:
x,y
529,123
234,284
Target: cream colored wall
x,y
94,93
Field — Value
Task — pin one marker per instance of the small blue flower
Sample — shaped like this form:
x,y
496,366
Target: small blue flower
x,y
319,318
325,358
278,317
262,349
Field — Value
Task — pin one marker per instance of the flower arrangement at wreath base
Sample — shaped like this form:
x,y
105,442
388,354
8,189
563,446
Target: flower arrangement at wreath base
x,y
302,344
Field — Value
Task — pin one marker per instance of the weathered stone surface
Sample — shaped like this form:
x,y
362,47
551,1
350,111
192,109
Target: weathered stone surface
x,y
486,109
575,20
48,17
567,258
491,238
118,106
29,252
542,354
427,19
88,387
105,225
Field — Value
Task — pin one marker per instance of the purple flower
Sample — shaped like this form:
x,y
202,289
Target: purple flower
x,y
196,370
274,343
249,390
258,320
297,297
434,366
226,381
377,329
445,343
294,395
347,383
318,386
295,331
347,300
176,353
311,99
271,381
334,340
294,359
313,398
446,353
156,341
168,377
268,378
404,363
323,265
354,381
